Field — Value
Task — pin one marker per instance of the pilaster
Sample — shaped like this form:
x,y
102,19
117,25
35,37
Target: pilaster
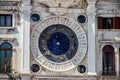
x,y
91,38
13,60
25,11
117,63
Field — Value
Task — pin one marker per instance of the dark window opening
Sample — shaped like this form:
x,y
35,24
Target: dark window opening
x,y
5,57
108,22
5,20
108,60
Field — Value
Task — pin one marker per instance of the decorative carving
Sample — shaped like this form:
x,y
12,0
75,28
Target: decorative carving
x,y
82,4
10,3
9,8
65,4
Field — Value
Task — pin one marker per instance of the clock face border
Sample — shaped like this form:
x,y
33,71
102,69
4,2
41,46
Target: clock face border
x,y
55,66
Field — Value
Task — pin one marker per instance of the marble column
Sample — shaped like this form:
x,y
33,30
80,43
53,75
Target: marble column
x,y
117,62
26,10
91,38
13,61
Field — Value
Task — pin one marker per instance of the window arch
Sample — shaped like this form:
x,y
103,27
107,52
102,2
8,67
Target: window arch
x,y
108,48
5,57
108,60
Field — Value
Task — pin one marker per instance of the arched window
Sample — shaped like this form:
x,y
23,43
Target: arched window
x,y
108,60
5,57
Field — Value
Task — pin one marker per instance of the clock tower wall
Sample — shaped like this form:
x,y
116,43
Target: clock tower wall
x,y
55,12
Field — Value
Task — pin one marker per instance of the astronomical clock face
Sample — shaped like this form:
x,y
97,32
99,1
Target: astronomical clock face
x,y
58,43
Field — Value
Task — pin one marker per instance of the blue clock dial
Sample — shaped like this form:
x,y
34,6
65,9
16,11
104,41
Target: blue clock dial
x,y
58,43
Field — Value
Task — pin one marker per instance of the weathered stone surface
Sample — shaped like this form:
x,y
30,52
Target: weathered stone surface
x,y
19,35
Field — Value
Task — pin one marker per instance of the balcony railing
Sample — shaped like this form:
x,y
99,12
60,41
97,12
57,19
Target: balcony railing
x,y
8,71
9,74
108,73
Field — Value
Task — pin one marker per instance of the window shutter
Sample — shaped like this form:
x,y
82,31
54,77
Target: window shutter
x,y
114,22
117,22
100,23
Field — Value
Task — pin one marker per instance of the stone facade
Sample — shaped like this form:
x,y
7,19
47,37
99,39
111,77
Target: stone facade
x,y
22,35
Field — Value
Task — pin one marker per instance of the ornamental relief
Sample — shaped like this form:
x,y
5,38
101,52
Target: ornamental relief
x,y
82,4
10,3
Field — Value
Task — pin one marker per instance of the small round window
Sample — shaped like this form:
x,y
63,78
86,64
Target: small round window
x,y
35,67
35,17
81,19
81,69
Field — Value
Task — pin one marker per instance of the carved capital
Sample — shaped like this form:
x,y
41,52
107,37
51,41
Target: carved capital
x,y
26,2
